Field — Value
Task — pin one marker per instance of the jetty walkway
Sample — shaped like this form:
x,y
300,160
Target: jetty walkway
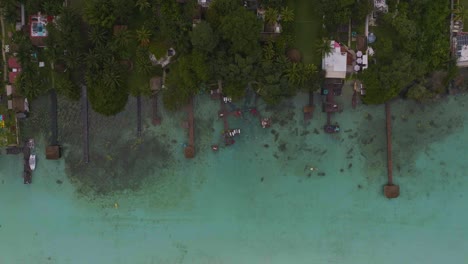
x,y
390,190
190,149
85,122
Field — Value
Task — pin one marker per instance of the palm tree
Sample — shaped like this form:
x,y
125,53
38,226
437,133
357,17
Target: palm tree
x,y
271,15
122,38
142,4
268,51
98,35
111,76
73,59
142,61
293,73
323,47
287,15
143,36
459,13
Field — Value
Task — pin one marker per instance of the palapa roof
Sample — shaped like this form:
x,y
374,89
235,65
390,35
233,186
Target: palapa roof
x,y
18,104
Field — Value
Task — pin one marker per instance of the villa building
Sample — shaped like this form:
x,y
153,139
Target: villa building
x,y
335,62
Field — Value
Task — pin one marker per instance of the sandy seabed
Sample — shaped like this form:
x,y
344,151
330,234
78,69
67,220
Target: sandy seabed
x,y
140,201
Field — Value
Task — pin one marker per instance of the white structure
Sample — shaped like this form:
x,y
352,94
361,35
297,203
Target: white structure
x,y
365,61
334,63
381,5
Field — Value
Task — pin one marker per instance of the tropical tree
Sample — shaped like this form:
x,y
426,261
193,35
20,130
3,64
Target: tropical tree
x,y
122,37
203,38
287,15
459,12
143,36
299,73
142,61
98,35
240,30
100,13
323,47
142,4
271,15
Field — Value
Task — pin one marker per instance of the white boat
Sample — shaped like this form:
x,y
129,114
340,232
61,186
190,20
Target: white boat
x,y
32,161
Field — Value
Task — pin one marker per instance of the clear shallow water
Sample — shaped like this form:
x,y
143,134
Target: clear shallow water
x,y
217,209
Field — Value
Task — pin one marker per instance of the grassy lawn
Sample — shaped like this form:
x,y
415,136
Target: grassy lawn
x,y
307,29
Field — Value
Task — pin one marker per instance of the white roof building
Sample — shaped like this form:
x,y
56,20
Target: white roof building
x,y
334,63
381,5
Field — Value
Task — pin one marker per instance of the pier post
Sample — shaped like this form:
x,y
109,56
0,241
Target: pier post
x,y
390,190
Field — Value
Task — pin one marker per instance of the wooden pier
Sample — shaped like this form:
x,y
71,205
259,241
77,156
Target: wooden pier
x,y
53,118
390,190
85,121
190,149
138,98
309,108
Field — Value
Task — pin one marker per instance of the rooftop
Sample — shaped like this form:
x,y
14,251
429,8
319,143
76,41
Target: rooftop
x,y
335,62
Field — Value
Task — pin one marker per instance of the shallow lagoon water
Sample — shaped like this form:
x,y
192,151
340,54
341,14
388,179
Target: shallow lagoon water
x,y
140,201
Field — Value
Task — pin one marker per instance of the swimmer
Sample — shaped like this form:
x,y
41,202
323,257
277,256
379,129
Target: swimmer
x,y
116,205
312,168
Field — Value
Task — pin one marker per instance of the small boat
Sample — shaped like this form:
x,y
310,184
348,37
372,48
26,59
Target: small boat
x,y
331,129
32,161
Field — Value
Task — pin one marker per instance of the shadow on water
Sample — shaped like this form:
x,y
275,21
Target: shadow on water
x,y
415,126
119,160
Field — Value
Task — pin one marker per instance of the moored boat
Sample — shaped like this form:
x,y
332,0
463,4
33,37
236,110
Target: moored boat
x,y
331,129
32,161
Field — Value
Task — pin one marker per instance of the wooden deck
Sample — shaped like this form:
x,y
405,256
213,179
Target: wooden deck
x,y
156,120
85,123
190,149
138,98
389,144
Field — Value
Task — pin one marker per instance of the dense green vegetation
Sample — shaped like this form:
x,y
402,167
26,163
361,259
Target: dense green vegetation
x,y
412,48
107,46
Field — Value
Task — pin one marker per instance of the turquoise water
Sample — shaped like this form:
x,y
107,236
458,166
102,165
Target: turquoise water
x,y
140,201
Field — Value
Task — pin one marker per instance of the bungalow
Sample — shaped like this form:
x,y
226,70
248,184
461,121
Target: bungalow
x,y
335,62
15,67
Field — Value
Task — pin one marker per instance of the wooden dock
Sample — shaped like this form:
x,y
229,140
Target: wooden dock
x,y
53,118
85,123
190,149
309,108
138,98
390,190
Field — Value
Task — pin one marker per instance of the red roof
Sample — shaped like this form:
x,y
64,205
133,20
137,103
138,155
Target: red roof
x,y
13,63
12,76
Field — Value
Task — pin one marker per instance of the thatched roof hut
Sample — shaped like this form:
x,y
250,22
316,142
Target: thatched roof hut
x,y
53,152
18,104
294,55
